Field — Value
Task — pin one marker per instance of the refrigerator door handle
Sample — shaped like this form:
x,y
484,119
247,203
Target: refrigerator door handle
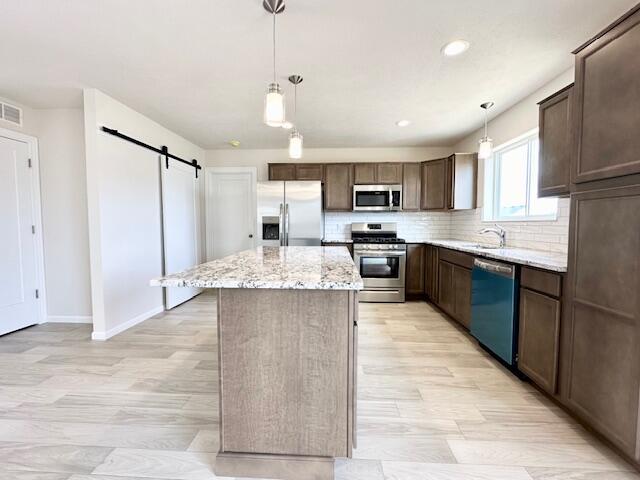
x,y
286,224
281,226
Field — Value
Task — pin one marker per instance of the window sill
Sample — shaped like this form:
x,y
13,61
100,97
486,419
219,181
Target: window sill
x,y
550,218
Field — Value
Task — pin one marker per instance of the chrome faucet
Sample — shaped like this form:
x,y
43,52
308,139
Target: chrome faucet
x,y
498,230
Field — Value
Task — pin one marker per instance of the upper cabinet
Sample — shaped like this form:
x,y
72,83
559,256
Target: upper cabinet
x,y
338,186
450,183
555,147
411,186
605,105
296,171
377,173
309,171
282,171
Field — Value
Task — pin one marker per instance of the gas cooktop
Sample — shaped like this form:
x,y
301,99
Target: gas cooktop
x,y
378,240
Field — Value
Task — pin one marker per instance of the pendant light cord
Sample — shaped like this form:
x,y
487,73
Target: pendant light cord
x,y
486,113
274,46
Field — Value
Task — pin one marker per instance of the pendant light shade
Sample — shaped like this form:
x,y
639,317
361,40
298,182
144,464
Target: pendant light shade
x,y
274,104
485,148
295,145
485,145
274,109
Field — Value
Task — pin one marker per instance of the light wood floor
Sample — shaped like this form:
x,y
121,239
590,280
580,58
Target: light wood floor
x,y
432,405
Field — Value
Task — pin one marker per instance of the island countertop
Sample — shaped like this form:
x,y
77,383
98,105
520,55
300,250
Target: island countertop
x,y
302,268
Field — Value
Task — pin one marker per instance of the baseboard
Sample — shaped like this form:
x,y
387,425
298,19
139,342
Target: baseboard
x,y
126,325
69,319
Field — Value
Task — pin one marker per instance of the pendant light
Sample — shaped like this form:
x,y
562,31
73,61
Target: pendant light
x,y
485,145
274,109
295,137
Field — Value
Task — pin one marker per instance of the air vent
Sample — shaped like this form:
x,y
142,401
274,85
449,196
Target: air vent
x,y
12,114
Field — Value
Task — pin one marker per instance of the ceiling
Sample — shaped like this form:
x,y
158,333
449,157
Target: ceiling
x,y
201,67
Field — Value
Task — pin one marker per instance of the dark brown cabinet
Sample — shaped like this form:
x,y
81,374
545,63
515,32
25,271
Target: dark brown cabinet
x,y
338,186
601,355
454,284
414,284
364,173
389,173
554,158
282,171
377,173
411,186
446,290
539,337
431,272
435,180
605,112
309,171
462,297
450,183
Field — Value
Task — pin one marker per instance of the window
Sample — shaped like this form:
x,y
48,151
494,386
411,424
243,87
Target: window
x,y
512,183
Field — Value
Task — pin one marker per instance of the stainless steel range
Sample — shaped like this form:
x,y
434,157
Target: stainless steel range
x,y
381,257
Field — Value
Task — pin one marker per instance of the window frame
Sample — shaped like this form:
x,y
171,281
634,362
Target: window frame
x,y
492,182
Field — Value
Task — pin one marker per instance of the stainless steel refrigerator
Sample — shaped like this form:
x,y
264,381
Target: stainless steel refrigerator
x,y
290,213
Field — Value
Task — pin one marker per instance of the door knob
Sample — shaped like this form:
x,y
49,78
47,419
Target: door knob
x,y
251,235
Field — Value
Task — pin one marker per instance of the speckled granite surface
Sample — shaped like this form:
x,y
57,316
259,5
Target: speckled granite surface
x,y
556,262
310,268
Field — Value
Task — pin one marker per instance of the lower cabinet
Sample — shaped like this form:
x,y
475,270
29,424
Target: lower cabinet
x,y
431,272
414,284
539,338
454,291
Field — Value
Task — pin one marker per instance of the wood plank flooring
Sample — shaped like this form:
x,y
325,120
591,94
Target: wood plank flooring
x,y
143,405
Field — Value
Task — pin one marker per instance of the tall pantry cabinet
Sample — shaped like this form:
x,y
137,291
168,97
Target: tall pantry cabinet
x,y
601,326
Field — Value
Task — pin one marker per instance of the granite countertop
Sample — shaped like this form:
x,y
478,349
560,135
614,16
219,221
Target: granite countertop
x,y
556,262
303,268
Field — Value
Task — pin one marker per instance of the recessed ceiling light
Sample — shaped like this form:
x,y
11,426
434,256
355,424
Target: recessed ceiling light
x,y
454,48
287,125
234,143
403,123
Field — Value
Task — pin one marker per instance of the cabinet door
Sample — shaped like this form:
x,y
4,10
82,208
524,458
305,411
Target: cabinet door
x,y
554,157
462,295
309,171
415,269
601,365
411,186
338,187
538,342
282,171
431,273
389,173
446,292
605,112
434,189
364,173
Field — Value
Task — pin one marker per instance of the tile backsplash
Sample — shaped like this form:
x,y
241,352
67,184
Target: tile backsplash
x,y
550,236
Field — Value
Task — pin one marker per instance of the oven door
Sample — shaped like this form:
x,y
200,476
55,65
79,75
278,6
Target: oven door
x,y
381,269
372,198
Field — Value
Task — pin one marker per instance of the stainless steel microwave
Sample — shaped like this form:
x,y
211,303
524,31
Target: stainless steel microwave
x,y
377,198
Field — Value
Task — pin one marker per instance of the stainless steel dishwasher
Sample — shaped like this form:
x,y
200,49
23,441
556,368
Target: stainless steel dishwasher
x,y
494,313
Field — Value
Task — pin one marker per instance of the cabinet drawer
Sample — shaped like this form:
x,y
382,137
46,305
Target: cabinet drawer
x,y
457,258
541,281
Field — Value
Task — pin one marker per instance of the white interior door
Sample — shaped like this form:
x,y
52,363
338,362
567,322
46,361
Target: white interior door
x,y
179,226
231,210
18,274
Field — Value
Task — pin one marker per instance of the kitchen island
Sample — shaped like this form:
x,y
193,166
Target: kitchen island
x,y
287,338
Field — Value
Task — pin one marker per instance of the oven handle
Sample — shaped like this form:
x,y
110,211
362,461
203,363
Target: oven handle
x,y
377,253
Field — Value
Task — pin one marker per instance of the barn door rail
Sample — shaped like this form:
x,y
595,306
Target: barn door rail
x,y
162,150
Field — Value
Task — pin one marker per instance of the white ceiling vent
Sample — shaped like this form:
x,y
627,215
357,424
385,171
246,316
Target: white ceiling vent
x,y
10,113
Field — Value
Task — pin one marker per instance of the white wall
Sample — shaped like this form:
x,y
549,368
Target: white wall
x,y
60,134
548,235
124,212
64,214
261,158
